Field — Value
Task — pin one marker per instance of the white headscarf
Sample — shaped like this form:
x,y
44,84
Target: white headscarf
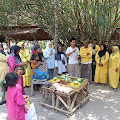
x,y
47,45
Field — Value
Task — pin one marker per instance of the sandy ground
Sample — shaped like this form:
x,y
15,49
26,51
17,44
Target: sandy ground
x,y
104,104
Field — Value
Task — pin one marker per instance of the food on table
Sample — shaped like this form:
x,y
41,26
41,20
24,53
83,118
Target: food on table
x,y
64,82
74,85
68,80
60,88
76,82
55,80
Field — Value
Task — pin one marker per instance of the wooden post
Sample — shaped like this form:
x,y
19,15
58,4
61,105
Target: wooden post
x,y
8,42
56,24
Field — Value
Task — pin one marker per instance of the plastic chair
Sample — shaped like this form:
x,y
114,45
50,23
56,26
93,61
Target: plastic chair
x,y
44,68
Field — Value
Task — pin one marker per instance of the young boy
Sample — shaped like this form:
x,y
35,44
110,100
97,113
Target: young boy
x,y
39,54
35,63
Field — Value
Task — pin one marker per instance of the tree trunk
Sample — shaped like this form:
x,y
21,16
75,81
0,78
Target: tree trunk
x,y
56,24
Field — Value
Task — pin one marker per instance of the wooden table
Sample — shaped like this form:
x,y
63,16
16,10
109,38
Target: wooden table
x,y
63,102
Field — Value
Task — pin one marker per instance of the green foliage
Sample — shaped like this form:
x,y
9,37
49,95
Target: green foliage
x,y
79,18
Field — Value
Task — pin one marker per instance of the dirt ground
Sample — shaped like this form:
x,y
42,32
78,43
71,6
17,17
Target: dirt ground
x,y
104,104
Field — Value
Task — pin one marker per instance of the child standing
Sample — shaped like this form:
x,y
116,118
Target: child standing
x,y
15,101
20,70
60,61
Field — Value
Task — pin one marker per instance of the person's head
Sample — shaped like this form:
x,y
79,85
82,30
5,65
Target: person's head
x,y
86,43
59,48
1,48
103,47
72,42
16,49
12,49
35,57
11,80
20,70
115,49
100,42
59,44
90,41
63,47
116,43
94,41
107,43
37,49
36,43
49,45
21,44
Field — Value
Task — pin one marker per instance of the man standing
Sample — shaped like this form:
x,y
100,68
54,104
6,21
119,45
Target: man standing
x,y
100,43
115,43
95,49
73,54
109,50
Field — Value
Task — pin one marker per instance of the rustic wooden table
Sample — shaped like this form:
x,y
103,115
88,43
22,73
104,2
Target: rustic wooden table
x,y
63,102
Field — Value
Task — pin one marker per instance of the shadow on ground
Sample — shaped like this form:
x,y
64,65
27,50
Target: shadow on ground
x,y
104,104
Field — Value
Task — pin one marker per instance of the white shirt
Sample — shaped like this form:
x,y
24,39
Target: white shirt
x,y
60,65
72,59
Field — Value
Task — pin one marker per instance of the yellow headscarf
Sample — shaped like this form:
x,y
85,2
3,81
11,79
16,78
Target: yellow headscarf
x,y
116,50
20,44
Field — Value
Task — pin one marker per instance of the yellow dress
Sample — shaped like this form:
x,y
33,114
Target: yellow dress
x,y
113,75
119,64
97,48
101,71
3,66
25,56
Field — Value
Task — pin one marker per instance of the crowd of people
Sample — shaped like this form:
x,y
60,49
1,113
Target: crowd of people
x,y
99,63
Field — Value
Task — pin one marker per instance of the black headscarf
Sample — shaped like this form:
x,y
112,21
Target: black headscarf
x,y
13,52
16,49
58,54
2,51
102,52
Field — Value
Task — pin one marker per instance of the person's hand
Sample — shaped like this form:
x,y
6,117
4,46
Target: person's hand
x,y
27,61
100,64
35,62
57,68
94,63
88,53
45,62
51,52
26,97
116,69
77,57
23,64
39,62
66,67
74,51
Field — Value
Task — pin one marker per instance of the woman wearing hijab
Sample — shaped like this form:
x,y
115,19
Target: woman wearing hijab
x,y
3,63
95,49
101,58
25,56
35,44
60,61
114,68
86,61
13,61
49,55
